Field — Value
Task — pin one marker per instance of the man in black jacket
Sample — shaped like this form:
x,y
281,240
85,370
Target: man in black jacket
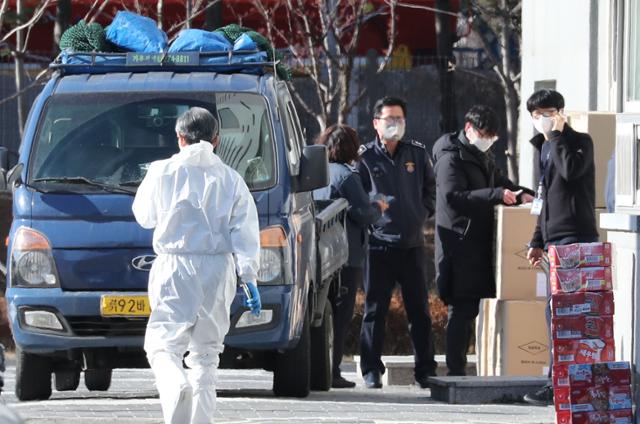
x,y
400,171
468,186
565,200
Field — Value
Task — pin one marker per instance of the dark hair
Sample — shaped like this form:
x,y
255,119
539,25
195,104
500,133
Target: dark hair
x,y
197,124
342,142
545,98
483,118
389,101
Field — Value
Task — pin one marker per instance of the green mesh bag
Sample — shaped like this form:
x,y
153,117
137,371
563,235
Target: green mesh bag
x,y
233,31
83,37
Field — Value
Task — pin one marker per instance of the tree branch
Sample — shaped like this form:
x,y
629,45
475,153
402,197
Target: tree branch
x,y
34,18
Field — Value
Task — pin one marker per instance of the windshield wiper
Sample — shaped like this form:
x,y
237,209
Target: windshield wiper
x,y
82,180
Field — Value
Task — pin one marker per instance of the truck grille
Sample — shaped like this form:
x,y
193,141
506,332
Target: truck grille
x,y
100,326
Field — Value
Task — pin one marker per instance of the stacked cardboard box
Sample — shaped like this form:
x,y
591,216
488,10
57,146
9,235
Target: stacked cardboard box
x,y
502,347
588,387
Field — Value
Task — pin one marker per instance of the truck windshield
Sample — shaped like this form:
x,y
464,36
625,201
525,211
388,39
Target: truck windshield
x,y
104,142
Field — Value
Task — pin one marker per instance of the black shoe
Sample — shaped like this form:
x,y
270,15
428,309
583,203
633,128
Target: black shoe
x,y
542,397
373,380
423,382
339,382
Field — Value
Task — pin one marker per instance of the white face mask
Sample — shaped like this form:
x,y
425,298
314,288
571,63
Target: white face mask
x,y
543,124
482,144
393,132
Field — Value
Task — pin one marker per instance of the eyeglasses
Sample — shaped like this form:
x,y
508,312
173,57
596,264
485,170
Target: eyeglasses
x,y
546,113
391,119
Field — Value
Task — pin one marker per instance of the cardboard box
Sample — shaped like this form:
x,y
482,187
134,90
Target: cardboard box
x,y
580,280
582,303
580,255
583,351
507,349
515,278
624,416
601,126
582,327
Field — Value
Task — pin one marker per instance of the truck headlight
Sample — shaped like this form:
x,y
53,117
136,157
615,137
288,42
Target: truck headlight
x,y
270,265
274,257
32,263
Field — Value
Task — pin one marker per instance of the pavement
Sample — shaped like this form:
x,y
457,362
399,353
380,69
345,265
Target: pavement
x,y
244,396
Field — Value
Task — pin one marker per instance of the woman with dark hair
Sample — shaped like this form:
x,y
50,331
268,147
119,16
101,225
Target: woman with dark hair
x,y
343,143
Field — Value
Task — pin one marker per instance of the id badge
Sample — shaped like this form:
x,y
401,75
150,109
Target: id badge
x,y
536,206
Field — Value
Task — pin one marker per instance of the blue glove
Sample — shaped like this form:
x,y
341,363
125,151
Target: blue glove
x,y
252,297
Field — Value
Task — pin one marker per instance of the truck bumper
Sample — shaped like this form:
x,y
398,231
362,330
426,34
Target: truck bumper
x,y
84,327
79,316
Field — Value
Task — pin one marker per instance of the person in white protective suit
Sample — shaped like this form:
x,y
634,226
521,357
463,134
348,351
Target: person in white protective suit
x,y
205,231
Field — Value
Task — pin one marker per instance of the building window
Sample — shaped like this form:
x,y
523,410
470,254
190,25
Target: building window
x,y
633,84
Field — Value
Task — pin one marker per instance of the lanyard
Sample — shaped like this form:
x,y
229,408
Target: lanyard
x,y
544,165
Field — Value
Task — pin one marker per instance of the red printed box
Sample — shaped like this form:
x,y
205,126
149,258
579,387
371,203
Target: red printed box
x,y
598,374
580,255
580,280
582,327
582,303
598,417
560,376
600,398
583,351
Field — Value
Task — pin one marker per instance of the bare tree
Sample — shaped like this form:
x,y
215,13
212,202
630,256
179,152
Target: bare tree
x,y
500,20
16,40
322,38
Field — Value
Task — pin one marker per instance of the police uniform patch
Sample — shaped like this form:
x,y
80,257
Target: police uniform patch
x,y
411,166
418,144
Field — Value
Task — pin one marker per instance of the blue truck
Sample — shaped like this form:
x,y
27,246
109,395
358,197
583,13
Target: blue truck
x,y
78,262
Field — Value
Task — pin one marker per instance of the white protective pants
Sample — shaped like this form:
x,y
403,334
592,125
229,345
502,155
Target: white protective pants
x,y
190,297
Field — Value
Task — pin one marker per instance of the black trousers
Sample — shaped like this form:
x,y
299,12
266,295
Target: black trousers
x,y
386,267
460,327
351,279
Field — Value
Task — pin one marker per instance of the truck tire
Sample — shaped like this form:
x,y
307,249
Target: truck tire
x,y
66,380
322,351
97,380
292,369
33,376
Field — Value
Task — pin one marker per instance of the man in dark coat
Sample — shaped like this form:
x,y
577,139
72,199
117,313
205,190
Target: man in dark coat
x,y
398,170
468,186
565,199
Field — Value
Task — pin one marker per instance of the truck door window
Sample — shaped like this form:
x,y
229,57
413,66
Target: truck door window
x,y
292,143
113,137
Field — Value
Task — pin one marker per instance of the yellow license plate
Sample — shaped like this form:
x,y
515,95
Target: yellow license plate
x,y
125,306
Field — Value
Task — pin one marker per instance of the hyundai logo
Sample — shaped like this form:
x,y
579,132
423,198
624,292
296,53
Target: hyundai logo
x,y
143,263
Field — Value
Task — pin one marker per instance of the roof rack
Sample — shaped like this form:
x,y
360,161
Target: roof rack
x,y
248,61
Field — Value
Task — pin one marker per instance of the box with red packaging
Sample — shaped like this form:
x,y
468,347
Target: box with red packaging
x,y
624,416
598,374
579,255
583,351
592,398
582,303
580,280
582,327
600,398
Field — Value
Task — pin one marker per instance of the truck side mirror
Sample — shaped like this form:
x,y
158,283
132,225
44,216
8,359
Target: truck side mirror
x,y
314,169
14,177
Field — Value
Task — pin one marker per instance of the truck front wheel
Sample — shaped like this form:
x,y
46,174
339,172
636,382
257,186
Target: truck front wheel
x,y
292,369
322,351
97,380
33,376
